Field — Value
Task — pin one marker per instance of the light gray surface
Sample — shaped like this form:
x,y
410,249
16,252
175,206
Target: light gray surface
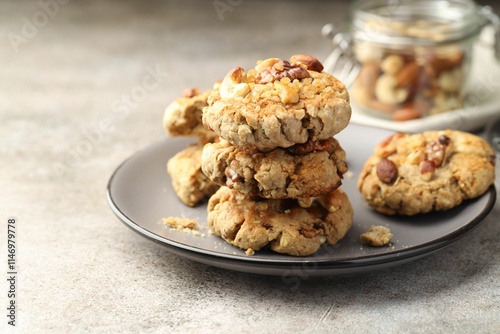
x,y
66,124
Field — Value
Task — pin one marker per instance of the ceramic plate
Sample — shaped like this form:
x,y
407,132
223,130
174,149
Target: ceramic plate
x,y
140,194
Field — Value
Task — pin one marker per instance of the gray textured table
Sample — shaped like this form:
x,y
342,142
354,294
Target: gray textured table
x,y
83,86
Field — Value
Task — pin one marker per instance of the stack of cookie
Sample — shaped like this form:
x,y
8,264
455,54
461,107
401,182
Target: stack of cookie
x,y
183,118
277,161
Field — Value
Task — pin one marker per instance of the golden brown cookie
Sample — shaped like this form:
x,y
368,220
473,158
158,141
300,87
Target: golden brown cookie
x,y
410,174
304,170
183,117
279,103
188,181
287,226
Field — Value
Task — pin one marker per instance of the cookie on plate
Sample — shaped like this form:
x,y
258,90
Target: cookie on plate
x,y
304,170
189,183
279,103
287,226
183,117
410,174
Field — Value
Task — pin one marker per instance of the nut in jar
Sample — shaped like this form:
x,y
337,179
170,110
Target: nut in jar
x,y
406,85
413,57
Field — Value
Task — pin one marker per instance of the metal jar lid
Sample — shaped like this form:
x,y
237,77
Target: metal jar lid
x,y
404,23
417,22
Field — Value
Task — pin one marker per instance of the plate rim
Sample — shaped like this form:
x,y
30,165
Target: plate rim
x,y
322,264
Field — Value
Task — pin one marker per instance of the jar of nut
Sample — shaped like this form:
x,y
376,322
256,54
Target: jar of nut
x,y
413,57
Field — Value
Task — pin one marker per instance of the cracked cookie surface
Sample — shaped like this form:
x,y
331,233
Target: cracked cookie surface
x,y
410,174
304,170
282,225
278,104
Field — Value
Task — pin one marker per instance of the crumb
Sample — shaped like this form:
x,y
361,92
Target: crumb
x,y
186,225
349,174
180,223
377,236
249,252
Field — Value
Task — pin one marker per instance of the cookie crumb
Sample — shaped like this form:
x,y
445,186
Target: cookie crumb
x,y
349,174
186,225
377,236
249,251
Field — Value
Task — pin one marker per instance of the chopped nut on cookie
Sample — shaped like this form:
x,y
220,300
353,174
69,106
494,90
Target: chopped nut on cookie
x,y
278,103
436,171
387,171
282,69
312,63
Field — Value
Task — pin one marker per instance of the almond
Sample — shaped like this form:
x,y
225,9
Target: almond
x,y
406,114
382,107
367,77
408,75
312,63
443,63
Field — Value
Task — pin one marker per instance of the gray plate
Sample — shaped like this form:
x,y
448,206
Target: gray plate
x,y
140,194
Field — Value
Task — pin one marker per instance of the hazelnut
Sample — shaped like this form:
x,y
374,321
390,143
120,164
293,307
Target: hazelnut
x,y
444,140
387,171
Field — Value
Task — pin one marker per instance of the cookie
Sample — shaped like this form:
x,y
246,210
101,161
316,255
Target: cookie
x,y
278,104
411,174
303,170
183,117
282,225
189,183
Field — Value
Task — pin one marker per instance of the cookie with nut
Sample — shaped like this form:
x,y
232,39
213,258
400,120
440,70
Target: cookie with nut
x,y
279,103
418,173
277,162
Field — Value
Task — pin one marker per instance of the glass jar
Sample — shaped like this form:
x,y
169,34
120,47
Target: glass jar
x,y
414,57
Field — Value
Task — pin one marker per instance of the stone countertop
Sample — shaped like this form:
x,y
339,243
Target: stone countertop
x,y
84,85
